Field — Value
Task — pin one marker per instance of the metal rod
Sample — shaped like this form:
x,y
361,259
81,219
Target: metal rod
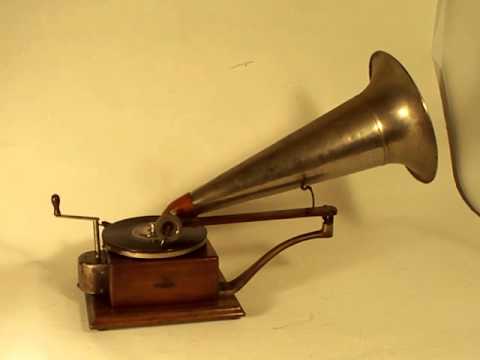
x,y
78,217
96,240
260,216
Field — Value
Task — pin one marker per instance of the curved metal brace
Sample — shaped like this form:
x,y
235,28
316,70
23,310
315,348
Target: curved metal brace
x,y
232,286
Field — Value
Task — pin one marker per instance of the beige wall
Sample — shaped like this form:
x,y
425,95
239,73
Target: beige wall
x,y
121,106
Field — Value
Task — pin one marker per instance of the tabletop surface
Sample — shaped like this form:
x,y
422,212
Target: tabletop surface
x,y
121,106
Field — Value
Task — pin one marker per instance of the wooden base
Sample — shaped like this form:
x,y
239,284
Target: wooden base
x,y
102,316
162,291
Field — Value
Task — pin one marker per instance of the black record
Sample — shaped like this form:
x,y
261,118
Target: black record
x,y
125,237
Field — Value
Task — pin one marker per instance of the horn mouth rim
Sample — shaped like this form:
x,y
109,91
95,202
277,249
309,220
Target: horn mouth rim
x,y
428,171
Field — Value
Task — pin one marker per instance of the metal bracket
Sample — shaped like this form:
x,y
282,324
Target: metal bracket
x,y
232,286
305,187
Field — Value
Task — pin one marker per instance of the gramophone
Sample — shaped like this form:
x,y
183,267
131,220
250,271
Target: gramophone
x,y
161,269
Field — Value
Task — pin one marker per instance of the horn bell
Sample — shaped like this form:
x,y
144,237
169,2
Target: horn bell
x,y
403,117
386,123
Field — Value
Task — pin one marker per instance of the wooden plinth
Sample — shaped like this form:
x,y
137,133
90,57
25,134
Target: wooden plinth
x,y
159,292
102,316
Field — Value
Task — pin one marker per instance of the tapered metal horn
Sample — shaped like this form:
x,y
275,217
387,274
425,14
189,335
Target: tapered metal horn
x,y
386,123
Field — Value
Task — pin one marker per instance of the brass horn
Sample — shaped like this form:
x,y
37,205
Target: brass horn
x,y
386,123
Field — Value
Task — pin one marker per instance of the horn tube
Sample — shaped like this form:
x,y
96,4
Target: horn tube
x,y
386,123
